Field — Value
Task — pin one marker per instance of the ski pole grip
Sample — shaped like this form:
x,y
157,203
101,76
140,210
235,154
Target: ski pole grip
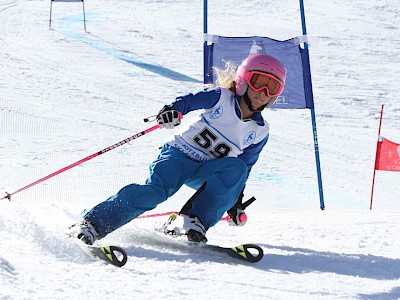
x,y
7,196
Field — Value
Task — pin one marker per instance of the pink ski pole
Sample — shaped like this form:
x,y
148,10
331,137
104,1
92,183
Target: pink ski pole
x,y
127,140
226,218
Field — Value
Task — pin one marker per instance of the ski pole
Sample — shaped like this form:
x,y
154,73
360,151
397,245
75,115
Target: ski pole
x,y
127,140
226,218
157,215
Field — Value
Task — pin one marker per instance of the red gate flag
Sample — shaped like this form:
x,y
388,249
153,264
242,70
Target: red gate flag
x,y
387,155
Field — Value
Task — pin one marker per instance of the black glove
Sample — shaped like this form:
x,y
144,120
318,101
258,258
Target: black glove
x,y
237,214
168,118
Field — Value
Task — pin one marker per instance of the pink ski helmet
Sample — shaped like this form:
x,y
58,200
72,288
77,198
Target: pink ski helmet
x,y
258,62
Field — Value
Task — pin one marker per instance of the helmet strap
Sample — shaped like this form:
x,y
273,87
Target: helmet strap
x,y
248,103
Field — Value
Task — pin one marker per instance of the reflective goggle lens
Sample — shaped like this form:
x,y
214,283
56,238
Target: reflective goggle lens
x,y
271,84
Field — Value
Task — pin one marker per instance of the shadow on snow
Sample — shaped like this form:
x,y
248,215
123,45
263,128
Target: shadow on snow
x,y
300,260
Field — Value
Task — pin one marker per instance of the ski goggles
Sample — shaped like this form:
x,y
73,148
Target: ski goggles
x,y
259,81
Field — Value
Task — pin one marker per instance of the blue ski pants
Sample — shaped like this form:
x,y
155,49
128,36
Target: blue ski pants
x,y
225,179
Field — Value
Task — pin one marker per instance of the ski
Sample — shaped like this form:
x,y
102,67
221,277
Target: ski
x,y
247,252
113,255
110,254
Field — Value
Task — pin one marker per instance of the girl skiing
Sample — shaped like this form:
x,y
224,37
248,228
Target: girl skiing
x,y
214,155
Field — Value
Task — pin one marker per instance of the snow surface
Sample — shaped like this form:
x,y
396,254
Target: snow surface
x,y
66,93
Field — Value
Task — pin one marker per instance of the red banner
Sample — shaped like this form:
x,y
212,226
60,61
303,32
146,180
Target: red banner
x,y
387,156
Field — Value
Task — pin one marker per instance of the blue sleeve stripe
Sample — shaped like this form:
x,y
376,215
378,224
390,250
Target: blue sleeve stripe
x,y
250,154
201,100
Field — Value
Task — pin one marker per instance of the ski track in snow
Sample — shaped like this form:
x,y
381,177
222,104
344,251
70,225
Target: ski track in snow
x,y
66,93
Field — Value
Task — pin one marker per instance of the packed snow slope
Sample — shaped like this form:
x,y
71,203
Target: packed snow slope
x,y
66,93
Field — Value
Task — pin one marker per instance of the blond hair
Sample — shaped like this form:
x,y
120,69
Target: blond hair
x,y
225,77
